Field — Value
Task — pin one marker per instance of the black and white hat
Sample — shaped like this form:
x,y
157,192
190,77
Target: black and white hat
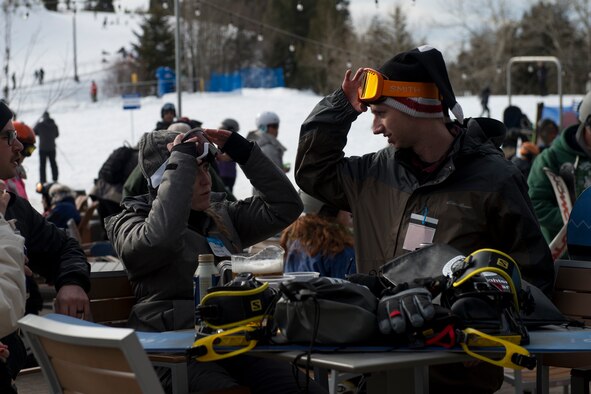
x,y
422,64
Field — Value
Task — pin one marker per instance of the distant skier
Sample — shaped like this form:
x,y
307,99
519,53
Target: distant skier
x,y
47,131
484,96
93,91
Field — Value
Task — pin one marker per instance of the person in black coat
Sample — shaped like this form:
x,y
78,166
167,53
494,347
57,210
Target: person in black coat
x,y
47,131
50,252
167,113
108,187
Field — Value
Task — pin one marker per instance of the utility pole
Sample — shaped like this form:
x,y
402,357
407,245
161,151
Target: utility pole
x,y
177,57
75,46
7,8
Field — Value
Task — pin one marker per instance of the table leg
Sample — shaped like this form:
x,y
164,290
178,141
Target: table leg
x,y
403,380
542,376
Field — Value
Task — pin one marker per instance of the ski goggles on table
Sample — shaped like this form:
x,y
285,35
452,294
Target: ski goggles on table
x,y
374,86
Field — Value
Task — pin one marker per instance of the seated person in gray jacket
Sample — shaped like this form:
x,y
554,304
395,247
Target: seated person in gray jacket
x,y
160,235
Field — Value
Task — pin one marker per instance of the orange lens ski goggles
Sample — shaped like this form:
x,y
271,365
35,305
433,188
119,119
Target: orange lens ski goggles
x,y
375,86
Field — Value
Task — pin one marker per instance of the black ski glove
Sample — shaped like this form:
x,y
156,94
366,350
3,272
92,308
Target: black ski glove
x,y
238,148
406,311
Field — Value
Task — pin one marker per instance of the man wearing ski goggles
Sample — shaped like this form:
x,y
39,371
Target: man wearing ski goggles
x,y
437,181
374,86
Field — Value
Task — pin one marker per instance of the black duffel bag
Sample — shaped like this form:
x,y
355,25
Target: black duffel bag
x,y
326,311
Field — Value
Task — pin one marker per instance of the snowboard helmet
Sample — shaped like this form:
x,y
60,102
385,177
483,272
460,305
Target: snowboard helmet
x,y
486,293
168,107
585,108
264,119
26,136
230,125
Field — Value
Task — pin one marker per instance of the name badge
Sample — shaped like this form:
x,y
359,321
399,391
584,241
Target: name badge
x,y
421,230
217,247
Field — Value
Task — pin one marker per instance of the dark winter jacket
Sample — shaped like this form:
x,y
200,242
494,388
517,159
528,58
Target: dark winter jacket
x,y
114,173
159,241
62,211
52,254
47,131
119,165
162,125
564,149
478,197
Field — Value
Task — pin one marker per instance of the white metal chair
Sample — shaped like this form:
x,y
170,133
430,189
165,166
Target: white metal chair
x,y
89,360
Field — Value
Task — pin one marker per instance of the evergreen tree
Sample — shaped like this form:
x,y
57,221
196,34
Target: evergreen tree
x,y
155,46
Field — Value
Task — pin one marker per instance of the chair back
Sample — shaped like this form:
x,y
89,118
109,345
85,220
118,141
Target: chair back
x,y
111,296
572,296
572,289
89,360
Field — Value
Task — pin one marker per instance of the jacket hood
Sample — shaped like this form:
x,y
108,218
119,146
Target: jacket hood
x,y
479,131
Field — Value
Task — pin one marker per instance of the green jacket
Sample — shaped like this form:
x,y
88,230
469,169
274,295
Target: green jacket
x,y
478,197
564,149
159,247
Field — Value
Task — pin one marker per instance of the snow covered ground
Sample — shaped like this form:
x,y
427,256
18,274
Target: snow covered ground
x,y
89,132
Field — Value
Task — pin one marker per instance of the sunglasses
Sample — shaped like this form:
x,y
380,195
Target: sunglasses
x,y
374,86
28,149
9,135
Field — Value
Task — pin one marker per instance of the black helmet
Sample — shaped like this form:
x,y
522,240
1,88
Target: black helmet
x,y
168,107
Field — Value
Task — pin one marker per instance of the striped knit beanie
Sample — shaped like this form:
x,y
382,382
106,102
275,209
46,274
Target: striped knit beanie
x,y
422,64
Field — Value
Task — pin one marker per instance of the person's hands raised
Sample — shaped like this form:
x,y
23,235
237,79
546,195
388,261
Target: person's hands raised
x,y
351,86
218,136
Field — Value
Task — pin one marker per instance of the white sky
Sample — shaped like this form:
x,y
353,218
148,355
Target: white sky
x,y
89,132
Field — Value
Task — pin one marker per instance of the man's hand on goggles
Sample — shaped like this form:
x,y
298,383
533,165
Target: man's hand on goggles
x,y
351,87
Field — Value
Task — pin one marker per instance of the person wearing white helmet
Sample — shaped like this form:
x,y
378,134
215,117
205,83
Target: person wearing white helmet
x,y
265,136
573,145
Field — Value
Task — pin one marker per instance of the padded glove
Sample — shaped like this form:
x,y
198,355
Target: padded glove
x,y
406,311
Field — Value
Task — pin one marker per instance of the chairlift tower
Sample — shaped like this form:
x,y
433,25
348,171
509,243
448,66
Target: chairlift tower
x,y
532,59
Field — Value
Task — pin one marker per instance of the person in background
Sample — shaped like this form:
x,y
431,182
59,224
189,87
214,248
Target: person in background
x,y
226,167
26,136
108,187
265,136
167,115
320,240
160,235
47,131
547,133
93,91
519,128
573,146
62,202
50,252
438,181
484,96
525,157
12,294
